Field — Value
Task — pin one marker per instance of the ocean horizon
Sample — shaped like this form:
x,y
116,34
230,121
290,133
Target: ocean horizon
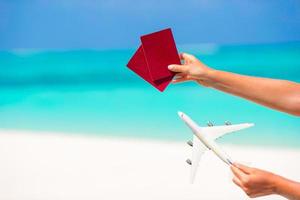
x,y
90,91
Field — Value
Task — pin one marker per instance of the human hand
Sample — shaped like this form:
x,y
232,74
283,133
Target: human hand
x,y
190,70
254,182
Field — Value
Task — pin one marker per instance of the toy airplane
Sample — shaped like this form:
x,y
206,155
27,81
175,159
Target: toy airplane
x,y
204,138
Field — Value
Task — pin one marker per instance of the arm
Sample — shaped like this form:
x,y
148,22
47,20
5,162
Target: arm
x,y
277,94
256,182
287,188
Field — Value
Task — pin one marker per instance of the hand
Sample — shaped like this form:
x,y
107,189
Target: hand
x,y
191,70
254,182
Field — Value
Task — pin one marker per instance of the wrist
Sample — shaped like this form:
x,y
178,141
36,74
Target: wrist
x,y
278,183
210,74
209,77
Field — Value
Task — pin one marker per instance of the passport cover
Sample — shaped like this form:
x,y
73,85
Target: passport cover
x,y
152,58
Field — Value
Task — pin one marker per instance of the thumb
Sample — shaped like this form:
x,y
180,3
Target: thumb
x,y
178,68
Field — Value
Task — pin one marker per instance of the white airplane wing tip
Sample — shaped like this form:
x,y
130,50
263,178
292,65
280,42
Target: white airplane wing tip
x,y
180,113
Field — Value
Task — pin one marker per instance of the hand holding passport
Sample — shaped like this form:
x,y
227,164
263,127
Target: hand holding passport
x,y
151,60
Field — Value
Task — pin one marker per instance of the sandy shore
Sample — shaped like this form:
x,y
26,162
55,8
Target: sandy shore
x,y
57,166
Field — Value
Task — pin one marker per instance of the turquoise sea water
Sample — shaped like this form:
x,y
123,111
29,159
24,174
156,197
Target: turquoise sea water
x,y
92,92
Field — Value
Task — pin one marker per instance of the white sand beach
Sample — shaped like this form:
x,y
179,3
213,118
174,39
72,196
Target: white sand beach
x,y
58,166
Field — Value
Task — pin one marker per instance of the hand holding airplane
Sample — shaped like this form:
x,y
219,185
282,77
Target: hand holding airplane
x,y
204,138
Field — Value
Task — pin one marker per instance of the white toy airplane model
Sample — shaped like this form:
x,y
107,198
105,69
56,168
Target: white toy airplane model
x,y
204,138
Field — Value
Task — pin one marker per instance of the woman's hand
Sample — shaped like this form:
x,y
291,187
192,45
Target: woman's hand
x,y
190,70
277,94
254,182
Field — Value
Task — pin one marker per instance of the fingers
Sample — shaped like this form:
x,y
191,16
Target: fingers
x,y
239,177
180,80
185,56
180,77
237,172
243,168
184,67
237,182
179,74
178,68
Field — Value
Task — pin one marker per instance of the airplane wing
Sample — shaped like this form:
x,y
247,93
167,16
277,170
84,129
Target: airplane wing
x,y
218,131
198,150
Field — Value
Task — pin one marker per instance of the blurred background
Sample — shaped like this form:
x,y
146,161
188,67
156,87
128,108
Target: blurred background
x,y
63,66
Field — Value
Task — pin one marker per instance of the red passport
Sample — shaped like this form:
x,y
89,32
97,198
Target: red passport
x,y
151,60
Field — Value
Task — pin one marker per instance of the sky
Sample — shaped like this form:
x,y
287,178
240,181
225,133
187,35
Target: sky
x,y
107,24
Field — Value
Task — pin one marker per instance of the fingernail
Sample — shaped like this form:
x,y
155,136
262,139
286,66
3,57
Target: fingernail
x,y
170,67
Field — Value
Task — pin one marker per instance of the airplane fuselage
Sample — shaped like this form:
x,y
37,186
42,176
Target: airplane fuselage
x,y
205,139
